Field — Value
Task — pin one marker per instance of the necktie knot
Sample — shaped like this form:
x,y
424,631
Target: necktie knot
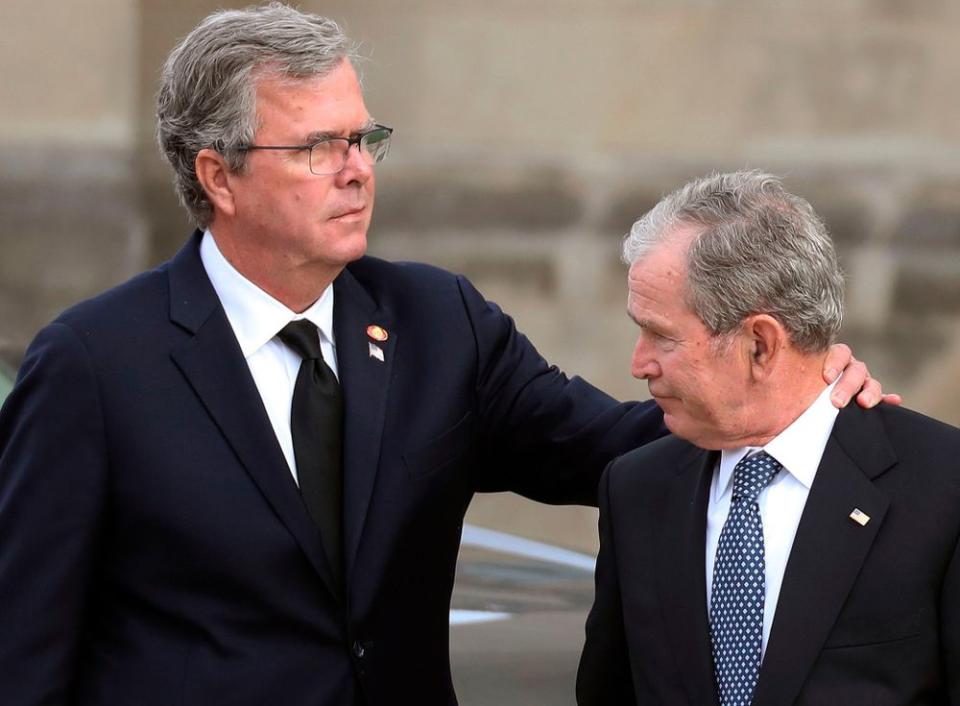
x,y
302,337
752,474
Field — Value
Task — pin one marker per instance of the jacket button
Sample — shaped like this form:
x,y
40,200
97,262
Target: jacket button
x,y
359,650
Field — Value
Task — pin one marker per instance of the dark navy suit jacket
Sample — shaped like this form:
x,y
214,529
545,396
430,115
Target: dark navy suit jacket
x,y
154,548
868,615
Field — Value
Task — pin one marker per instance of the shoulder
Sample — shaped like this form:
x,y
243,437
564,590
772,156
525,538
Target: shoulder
x,y
910,421
906,430
638,488
134,300
419,290
398,278
927,439
912,456
129,314
655,464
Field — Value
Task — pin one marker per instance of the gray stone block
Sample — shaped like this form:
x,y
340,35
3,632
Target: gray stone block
x,y
423,204
931,226
927,292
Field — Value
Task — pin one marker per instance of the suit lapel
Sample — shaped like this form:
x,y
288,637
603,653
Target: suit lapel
x,y
681,574
827,553
364,379
214,366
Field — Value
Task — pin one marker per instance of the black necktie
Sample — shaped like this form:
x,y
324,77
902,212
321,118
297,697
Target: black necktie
x,y
316,422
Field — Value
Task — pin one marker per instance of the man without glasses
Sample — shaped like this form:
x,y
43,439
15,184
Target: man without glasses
x,y
770,551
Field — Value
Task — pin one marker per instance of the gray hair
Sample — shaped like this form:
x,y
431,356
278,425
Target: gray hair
x,y
759,250
207,96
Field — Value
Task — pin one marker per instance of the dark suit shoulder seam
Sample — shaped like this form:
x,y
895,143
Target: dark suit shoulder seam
x,y
95,379
606,480
473,328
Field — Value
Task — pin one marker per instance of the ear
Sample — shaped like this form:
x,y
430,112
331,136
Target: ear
x,y
767,340
214,176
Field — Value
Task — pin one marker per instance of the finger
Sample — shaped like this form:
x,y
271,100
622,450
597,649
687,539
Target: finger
x,y
854,377
839,356
892,398
871,395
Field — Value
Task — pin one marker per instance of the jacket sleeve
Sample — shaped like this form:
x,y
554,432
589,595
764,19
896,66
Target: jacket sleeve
x,y
53,468
547,436
604,677
950,627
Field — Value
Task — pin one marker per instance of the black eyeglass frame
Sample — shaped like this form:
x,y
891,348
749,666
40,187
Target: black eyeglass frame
x,y
351,141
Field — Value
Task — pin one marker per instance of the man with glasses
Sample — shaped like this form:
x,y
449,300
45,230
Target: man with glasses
x,y
241,478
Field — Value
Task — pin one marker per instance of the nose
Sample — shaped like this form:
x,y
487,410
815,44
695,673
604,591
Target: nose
x,y
357,167
643,364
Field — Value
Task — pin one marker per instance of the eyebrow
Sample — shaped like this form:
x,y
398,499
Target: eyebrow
x,y
318,135
649,325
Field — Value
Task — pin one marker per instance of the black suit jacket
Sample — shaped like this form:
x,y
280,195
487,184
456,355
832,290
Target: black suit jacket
x,y
154,548
866,615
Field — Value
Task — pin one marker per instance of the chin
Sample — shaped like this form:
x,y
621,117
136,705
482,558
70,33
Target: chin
x,y
670,422
700,437
678,428
347,249
359,250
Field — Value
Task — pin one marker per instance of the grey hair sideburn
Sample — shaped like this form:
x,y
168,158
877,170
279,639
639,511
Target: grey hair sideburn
x,y
760,250
207,96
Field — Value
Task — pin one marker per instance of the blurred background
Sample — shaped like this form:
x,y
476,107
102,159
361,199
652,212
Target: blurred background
x,y
529,136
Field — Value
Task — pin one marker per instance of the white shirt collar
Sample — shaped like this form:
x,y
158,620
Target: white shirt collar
x,y
254,315
798,448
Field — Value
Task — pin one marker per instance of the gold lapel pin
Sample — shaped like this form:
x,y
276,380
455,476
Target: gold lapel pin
x,y
859,516
377,333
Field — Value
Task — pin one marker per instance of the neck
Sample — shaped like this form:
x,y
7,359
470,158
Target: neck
x,y
296,285
298,290
779,400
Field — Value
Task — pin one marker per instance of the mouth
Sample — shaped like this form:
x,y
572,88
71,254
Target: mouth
x,y
660,398
350,213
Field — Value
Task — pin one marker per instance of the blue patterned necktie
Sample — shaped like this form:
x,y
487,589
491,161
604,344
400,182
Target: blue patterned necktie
x,y
737,594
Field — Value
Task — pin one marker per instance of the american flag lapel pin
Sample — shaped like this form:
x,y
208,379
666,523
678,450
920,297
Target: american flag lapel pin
x,y
379,334
859,516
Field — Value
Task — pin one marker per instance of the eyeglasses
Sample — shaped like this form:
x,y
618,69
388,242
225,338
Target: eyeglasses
x,y
329,155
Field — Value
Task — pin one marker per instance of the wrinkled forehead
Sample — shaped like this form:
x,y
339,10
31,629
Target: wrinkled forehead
x,y
329,104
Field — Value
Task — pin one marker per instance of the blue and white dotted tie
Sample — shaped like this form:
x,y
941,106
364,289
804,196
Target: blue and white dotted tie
x,y
736,598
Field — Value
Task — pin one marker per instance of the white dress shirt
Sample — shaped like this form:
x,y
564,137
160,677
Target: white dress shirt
x,y
256,318
798,448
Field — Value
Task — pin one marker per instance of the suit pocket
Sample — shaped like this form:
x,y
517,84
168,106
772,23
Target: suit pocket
x,y
442,450
866,630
